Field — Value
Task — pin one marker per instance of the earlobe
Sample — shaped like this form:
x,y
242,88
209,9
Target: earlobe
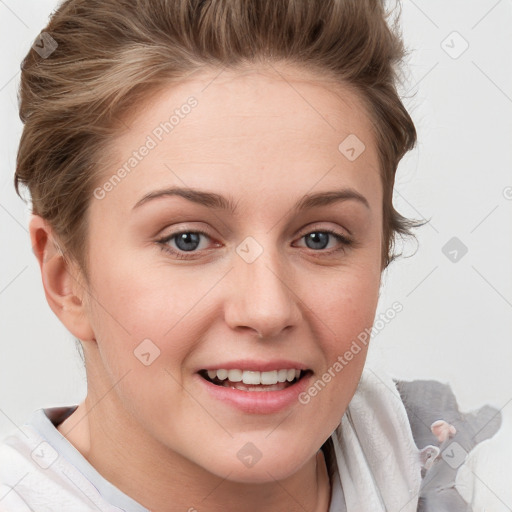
x,y
62,287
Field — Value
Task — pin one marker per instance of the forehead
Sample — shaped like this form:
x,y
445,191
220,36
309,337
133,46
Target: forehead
x,y
267,130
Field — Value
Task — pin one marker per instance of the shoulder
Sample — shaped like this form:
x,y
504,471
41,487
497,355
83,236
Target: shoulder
x,y
13,468
24,483
455,447
33,476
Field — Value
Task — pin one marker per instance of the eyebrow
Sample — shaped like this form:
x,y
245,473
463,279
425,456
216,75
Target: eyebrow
x,y
219,202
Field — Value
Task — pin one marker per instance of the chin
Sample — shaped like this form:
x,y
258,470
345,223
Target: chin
x,y
249,464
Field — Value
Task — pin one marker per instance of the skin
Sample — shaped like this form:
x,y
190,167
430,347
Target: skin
x,y
266,139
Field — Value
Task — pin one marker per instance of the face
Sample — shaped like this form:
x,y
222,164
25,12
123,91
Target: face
x,y
256,281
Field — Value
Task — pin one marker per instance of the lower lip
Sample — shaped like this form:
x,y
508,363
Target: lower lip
x,y
258,402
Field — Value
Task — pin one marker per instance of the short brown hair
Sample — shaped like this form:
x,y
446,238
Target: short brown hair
x,y
111,54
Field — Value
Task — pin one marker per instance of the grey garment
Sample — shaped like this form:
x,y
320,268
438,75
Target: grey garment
x,y
427,401
337,503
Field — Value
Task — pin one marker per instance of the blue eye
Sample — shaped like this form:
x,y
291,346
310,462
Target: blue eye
x,y
187,242
319,237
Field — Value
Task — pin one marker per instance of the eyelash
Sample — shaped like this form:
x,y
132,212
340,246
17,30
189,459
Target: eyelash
x,y
344,240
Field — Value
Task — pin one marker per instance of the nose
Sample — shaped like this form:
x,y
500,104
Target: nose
x,y
261,297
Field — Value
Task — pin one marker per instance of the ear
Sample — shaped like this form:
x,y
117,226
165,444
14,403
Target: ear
x,y
63,287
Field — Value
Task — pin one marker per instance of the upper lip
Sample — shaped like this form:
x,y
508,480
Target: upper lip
x,y
258,366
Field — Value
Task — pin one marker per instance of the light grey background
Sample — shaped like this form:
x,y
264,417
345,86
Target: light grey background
x,y
456,323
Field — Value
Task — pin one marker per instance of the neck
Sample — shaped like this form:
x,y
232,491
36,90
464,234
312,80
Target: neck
x,y
177,484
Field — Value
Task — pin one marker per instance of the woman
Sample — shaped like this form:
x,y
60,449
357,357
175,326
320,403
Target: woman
x,y
212,211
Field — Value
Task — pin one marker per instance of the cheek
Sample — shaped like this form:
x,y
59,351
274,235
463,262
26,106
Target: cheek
x,y
345,301
137,300
344,313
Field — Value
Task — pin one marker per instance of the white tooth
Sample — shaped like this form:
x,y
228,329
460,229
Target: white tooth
x,y
222,374
290,375
297,374
281,375
235,375
269,377
250,377
212,374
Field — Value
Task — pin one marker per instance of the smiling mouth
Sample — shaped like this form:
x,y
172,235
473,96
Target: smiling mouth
x,y
248,380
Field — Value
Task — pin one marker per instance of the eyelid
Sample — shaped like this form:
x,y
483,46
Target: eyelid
x,y
319,227
184,227
306,230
